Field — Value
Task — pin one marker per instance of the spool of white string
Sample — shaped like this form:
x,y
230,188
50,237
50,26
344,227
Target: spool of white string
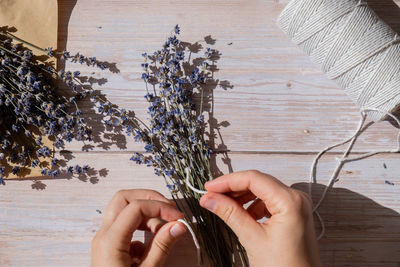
x,y
360,52
352,46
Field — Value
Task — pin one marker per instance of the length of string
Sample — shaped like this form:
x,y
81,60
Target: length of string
x,y
346,158
195,241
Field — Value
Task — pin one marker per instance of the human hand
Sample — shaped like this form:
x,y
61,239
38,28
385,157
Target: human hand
x,y
287,238
132,210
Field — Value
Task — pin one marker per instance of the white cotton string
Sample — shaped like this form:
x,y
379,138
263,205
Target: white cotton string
x,y
313,171
195,241
345,158
187,181
322,152
201,192
321,220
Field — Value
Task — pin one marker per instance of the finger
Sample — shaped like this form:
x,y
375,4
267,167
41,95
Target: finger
x,y
237,194
123,197
274,193
234,215
137,251
151,225
257,210
162,243
130,218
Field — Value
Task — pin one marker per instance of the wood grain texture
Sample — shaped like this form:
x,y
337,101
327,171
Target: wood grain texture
x,y
284,101
55,225
281,110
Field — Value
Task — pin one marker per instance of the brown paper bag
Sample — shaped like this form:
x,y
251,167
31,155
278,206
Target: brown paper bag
x,y
36,22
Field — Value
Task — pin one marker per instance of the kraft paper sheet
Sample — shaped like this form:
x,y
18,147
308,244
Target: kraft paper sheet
x,y
36,21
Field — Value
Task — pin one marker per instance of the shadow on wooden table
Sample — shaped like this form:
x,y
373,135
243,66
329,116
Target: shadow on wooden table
x,y
102,136
359,231
215,139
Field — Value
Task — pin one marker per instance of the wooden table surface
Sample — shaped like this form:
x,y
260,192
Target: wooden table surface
x,y
277,114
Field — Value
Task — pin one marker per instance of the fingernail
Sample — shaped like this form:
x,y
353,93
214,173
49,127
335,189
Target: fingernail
x,y
209,203
177,230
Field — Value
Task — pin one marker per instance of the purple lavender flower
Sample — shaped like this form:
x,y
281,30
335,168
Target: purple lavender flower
x,y
175,128
177,30
31,107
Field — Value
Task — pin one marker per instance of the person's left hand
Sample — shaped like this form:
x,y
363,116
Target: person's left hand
x,y
132,210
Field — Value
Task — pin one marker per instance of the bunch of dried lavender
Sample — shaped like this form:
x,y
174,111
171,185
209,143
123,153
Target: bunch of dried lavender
x,y
174,139
33,108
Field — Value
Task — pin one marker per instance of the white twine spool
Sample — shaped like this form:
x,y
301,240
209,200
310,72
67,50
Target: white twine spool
x,y
360,52
352,46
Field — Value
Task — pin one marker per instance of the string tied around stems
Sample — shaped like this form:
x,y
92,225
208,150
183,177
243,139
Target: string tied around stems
x,y
187,182
195,241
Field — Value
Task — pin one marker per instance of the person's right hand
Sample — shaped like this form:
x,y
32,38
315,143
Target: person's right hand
x,y
287,238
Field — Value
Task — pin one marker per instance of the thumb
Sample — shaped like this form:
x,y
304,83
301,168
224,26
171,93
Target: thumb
x,y
234,215
162,243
